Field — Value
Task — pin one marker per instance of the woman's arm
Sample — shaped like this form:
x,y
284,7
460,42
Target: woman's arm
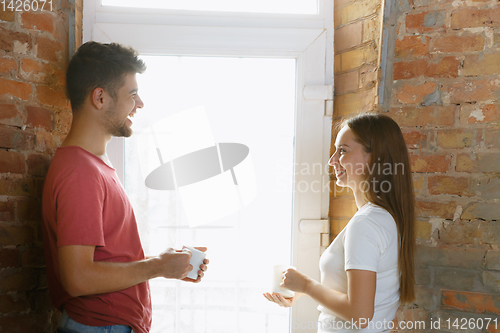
x,y
357,305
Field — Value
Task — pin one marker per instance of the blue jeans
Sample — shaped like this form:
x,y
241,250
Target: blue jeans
x,y
68,325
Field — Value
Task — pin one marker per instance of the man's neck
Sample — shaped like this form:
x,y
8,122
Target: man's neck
x,y
88,134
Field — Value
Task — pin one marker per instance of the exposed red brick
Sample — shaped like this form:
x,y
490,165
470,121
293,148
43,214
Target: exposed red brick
x,y
53,96
458,44
18,187
415,139
424,116
16,235
30,210
38,164
7,65
13,303
450,256
346,82
455,138
473,17
39,117
472,91
481,210
445,210
481,64
7,15
30,65
17,280
471,302
50,50
8,38
10,258
33,257
12,161
475,114
344,207
21,90
33,322
492,139
409,94
59,77
425,22
339,3
446,67
63,121
44,142
35,71
474,232
412,46
16,138
9,115
484,162
448,185
38,21
7,211
348,36
493,328
429,163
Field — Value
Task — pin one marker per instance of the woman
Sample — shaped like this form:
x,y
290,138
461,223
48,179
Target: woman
x,y
368,270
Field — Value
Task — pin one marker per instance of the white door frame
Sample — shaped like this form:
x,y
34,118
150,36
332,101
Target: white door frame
x,y
307,38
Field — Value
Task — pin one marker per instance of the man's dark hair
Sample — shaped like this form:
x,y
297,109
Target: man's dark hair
x,y
97,65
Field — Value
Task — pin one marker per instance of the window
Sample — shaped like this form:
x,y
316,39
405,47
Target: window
x,y
252,6
187,43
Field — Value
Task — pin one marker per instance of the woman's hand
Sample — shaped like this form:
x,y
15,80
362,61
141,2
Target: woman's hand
x,y
295,281
280,300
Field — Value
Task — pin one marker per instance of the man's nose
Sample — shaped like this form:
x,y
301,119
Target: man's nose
x,y
138,102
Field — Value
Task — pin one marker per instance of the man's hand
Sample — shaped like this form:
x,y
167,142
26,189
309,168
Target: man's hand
x,y
81,275
174,264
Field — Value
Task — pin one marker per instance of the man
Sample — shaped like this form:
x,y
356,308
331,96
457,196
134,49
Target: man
x,y
96,268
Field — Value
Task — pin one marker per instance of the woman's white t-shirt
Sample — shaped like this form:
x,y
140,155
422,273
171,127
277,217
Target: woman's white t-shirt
x,y
369,242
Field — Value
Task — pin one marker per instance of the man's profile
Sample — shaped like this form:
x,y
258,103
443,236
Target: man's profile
x,y
96,268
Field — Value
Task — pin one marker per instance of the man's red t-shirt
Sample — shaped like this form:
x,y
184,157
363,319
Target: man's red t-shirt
x,y
84,203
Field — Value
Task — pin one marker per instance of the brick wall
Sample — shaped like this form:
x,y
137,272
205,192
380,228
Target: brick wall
x,y
357,65
444,88
445,96
34,118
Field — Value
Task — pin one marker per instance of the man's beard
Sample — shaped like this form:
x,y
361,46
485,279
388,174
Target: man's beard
x,y
114,125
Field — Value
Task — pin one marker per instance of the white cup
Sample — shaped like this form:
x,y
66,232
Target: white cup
x,y
196,260
278,279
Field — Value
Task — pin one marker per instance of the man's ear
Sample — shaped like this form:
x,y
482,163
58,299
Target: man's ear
x,y
97,98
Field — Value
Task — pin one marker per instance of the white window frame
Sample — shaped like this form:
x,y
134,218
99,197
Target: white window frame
x,y
307,38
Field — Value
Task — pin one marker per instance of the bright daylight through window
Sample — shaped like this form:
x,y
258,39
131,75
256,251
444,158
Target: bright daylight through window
x,y
251,6
192,103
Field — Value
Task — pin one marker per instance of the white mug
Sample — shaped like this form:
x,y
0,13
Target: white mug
x,y
278,279
196,260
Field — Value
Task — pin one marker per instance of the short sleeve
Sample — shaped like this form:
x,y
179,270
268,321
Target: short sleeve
x,y
363,244
79,205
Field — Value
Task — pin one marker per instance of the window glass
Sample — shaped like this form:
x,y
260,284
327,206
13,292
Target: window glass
x,y
214,100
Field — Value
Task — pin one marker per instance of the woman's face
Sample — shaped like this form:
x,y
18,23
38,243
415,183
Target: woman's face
x,y
349,160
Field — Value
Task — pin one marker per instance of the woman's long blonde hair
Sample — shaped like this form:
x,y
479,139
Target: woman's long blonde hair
x,y
390,189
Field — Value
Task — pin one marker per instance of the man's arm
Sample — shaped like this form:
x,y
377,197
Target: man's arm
x,y
81,275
